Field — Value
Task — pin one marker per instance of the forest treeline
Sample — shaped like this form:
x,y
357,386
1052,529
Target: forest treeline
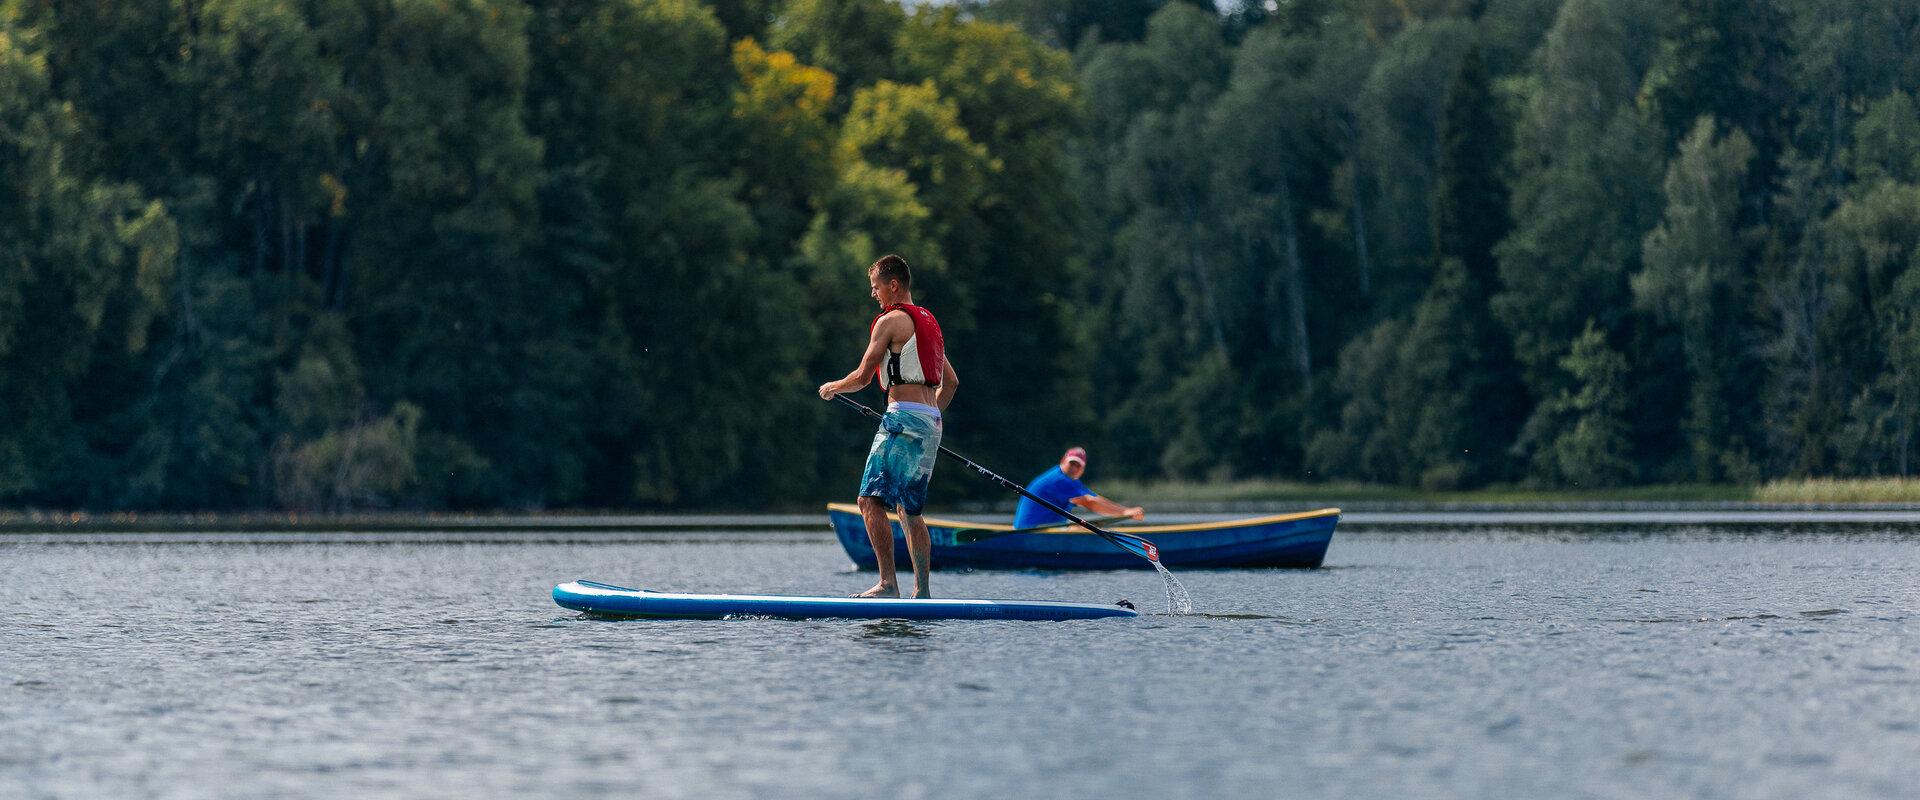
x,y
574,253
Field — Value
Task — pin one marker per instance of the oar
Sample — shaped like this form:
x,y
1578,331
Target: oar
x,y
971,535
1132,544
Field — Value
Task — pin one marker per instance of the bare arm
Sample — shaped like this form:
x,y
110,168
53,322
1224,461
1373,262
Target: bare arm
x,y
1103,506
877,346
949,383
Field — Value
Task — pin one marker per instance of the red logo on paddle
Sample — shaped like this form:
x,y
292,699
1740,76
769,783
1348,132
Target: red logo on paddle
x,y
1153,553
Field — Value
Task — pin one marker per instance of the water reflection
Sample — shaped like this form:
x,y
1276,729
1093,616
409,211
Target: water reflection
x,y
898,635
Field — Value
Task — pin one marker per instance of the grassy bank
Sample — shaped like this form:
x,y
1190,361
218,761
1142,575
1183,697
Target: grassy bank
x,y
1790,492
1829,490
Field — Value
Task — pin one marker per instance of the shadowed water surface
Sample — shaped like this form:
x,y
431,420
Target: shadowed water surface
x,y
1422,665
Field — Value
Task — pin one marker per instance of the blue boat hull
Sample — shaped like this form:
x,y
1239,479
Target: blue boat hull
x,y
616,601
1289,540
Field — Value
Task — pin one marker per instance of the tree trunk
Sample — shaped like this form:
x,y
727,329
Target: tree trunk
x,y
1294,276
286,239
1211,306
1202,275
1356,185
259,230
1360,234
330,270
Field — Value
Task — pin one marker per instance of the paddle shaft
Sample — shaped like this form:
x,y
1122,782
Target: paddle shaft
x,y
1139,546
971,535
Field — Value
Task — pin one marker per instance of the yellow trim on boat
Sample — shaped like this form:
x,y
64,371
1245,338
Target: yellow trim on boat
x,y
933,522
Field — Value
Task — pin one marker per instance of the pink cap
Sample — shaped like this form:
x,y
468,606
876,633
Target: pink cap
x,y
1076,454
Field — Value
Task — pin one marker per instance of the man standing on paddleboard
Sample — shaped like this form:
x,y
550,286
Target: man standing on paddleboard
x,y
906,352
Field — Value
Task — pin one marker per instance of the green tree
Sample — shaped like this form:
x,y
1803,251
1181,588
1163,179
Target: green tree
x,y
1878,435
1156,280
1584,194
175,422
1719,58
745,19
1886,141
1875,241
1838,58
1376,416
1068,23
451,313
85,263
1798,400
1270,137
642,96
333,453
1276,137
1696,276
853,39
1462,358
912,128
1511,30
1450,401
787,140
1588,440
1013,253
1400,107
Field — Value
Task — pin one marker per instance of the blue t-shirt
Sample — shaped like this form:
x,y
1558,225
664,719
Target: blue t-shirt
x,y
1059,490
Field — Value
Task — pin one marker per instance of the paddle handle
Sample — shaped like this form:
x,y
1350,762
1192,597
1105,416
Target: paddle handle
x,y
1131,544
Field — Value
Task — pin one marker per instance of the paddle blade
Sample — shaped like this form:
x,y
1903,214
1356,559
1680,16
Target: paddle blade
x,y
1135,545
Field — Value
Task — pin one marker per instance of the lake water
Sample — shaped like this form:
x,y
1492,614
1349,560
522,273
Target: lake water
x,y
1505,661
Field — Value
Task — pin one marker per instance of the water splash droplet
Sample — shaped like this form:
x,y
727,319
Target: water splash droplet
x,y
1178,601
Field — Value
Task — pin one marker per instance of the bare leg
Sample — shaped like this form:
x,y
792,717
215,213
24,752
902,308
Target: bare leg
x,y
920,547
880,535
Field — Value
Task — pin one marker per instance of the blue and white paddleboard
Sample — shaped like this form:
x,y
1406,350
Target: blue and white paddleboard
x,y
609,600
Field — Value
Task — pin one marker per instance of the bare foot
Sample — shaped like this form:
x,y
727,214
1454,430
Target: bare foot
x,y
881,590
922,594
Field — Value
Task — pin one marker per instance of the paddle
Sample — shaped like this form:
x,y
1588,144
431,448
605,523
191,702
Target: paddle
x,y
971,535
1132,544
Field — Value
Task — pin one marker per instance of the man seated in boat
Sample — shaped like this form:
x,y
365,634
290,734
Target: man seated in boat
x,y
907,353
1061,486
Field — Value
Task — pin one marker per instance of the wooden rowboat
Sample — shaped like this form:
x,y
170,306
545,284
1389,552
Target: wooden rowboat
x,y
1285,540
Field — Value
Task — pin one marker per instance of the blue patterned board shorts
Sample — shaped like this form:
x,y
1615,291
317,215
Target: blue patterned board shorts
x,y
901,461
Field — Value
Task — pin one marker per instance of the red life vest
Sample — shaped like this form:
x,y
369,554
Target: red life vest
x,y
922,360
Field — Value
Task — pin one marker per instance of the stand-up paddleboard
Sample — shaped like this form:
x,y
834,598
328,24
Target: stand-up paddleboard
x,y
618,601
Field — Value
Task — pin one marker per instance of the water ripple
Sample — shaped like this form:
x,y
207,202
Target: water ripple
x,y
1452,664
